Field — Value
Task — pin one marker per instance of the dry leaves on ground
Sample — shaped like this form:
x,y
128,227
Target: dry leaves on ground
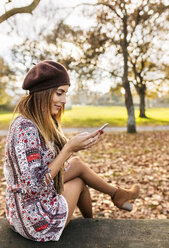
x,y
124,159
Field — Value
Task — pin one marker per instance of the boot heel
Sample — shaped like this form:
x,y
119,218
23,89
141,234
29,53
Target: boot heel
x,y
127,206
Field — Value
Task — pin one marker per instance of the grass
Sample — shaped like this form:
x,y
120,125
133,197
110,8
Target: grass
x,y
91,116
5,119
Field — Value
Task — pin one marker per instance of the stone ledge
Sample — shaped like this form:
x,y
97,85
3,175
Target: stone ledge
x,y
97,233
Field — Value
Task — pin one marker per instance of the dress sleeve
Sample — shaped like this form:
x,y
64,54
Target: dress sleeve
x,y
29,159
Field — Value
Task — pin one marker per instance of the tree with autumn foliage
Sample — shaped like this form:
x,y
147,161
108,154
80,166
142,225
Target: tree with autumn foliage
x,y
131,27
145,64
128,26
121,36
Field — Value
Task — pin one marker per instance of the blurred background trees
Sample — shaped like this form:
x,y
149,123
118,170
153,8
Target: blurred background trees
x,y
117,43
7,85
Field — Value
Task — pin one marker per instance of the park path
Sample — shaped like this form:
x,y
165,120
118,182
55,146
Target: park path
x,y
108,129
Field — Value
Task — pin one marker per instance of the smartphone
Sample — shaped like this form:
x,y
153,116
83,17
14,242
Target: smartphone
x,y
101,129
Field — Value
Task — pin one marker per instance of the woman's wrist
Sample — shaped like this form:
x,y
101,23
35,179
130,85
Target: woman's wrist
x,y
60,159
68,149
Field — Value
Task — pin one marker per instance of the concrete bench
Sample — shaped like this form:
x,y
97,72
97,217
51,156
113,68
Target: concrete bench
x,y
97,233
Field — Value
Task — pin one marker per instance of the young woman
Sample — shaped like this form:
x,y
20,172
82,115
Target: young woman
x,y
44,185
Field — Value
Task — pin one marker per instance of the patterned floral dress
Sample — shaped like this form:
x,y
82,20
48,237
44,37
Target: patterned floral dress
x,y
33,208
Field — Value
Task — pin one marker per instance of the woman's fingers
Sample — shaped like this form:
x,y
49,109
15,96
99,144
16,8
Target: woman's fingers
x,y
84,134
84,140
93,134
92,141
90,145
87,135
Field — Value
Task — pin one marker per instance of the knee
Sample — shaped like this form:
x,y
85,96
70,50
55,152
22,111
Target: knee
x,y
77,163
76,160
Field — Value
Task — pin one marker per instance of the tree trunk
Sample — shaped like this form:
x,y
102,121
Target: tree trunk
x,y
131,123
142,105
141,90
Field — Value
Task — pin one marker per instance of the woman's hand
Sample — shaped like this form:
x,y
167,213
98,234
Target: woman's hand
x,y
82,141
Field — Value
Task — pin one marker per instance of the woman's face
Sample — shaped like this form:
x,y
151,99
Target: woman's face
x,y
59,99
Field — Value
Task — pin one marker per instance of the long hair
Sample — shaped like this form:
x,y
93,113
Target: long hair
x,y
37,108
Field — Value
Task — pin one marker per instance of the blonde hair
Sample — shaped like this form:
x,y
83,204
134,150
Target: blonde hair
x,y
37,108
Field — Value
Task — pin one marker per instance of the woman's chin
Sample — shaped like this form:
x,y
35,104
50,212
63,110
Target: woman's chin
x,y
54,113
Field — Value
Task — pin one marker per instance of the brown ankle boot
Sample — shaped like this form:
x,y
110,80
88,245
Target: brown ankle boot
x,y
122,196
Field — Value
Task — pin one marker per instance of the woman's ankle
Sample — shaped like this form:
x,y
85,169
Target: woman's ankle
x,y
113,192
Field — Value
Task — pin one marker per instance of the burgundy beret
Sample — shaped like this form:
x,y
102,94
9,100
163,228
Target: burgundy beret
x,y
45,75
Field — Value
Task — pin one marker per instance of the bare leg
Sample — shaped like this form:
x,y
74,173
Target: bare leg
x,y
80,169
76,193
85,203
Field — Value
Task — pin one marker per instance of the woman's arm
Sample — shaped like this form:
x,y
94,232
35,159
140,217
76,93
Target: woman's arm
x,y
27,156
57,163
77,143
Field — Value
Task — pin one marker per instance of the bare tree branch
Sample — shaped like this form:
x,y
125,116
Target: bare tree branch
x,y
14,11
94,4
111,72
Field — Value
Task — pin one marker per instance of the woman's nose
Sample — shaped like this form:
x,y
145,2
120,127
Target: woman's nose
x,y
63,100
